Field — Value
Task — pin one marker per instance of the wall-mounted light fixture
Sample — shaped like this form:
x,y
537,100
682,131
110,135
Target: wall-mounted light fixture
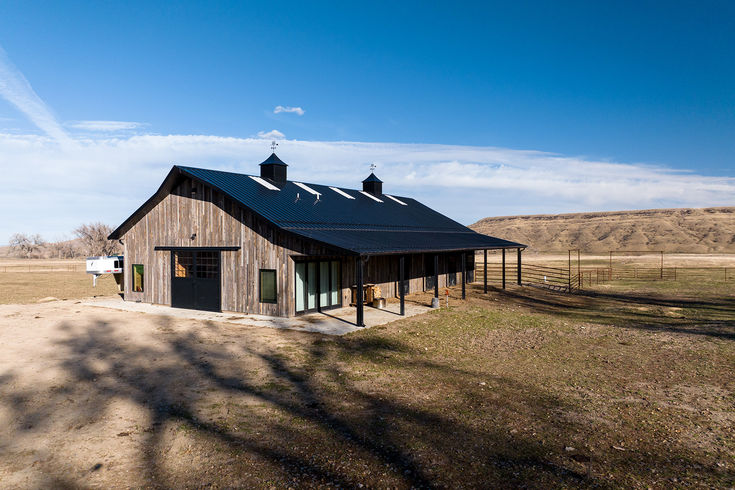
x,y
193,236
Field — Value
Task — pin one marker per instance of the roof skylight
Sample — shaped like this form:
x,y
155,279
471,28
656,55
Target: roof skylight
x,y
396,200
308,189
264,183
342,193
370,196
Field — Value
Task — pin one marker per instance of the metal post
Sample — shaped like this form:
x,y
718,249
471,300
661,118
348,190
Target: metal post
x,y
464,277
519,266
485,278
401,283
662,264
358,276
503,268
579,272
569,270
436,276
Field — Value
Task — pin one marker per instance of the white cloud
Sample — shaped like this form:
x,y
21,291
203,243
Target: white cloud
x,y
295,110
68,186
51,188
273,134
18,91
105,126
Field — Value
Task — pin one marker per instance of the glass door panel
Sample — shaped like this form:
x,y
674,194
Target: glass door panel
x,y
335,282
300,285
311,285
324,295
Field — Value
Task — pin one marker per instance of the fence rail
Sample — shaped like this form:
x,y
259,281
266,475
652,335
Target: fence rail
x,y
555,278
562,279
43,268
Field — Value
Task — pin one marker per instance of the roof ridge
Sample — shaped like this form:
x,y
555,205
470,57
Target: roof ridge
x,y
185,167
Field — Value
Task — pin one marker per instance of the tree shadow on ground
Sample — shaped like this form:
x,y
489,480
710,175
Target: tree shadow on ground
x,y
220,408
710,318
318,425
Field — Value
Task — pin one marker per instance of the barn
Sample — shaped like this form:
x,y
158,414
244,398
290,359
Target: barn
x,y
262,244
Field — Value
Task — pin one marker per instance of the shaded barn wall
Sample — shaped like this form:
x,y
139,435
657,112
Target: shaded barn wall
x,y
383,271
220,222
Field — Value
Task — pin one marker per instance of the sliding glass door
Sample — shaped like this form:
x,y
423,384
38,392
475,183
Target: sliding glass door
x,y
318,285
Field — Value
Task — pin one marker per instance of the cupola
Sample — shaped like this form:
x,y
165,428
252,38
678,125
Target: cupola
x,y
273,169
372,185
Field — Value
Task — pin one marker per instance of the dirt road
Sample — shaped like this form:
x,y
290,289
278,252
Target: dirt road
x,y
80,386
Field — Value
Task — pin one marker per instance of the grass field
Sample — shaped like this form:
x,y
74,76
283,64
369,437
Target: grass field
x,y
626,385
29,287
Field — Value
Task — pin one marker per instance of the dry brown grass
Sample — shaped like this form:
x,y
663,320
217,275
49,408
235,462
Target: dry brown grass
x,y
705,230
29,287
610,388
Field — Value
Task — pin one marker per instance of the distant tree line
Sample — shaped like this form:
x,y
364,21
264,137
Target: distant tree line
x,y
90,239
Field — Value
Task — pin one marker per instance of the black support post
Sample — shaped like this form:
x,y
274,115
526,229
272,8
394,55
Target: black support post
x,y
436,276
464,274
485,278
402,283
503,268
358,277
519,266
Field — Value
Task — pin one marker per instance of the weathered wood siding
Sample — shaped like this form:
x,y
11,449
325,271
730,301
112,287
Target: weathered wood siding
x,y
218,221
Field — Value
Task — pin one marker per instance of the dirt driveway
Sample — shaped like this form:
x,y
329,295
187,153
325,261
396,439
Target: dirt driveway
x,y
81,390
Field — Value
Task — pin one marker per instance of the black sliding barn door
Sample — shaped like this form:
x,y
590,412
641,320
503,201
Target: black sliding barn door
x,y
195,279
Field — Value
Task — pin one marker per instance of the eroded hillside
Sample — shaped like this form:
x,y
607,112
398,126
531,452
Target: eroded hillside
x,y
705,230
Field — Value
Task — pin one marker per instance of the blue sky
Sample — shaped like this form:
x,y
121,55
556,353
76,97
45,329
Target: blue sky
x,y
616,105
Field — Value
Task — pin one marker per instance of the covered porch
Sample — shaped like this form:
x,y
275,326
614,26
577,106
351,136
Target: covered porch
x,y
431,274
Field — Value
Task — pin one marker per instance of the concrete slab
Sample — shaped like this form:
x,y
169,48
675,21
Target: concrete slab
x,y
333,322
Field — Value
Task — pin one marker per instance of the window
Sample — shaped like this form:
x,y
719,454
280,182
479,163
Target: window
x,y
207,265
183,264
268,286
138,278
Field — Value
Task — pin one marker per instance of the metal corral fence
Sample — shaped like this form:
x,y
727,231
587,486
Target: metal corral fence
x,y
556,278
592,276
562,279
43,268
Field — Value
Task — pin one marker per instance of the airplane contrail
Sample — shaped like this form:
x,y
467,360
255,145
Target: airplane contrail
x,y
15,88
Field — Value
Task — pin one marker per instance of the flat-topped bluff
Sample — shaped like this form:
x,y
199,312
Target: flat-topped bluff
x,y
696,230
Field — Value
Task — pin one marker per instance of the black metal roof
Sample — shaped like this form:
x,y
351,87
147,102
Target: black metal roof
x,y
361,225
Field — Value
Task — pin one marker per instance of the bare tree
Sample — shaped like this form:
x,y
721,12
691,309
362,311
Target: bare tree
x,y
27,246
20,245
63,250
94,239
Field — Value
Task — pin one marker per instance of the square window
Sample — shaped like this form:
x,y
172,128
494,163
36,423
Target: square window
x,y
268,290
138,278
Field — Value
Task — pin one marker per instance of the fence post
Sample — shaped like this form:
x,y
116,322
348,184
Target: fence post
x,y
662,264
569,271
503,268
579,271
519,266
